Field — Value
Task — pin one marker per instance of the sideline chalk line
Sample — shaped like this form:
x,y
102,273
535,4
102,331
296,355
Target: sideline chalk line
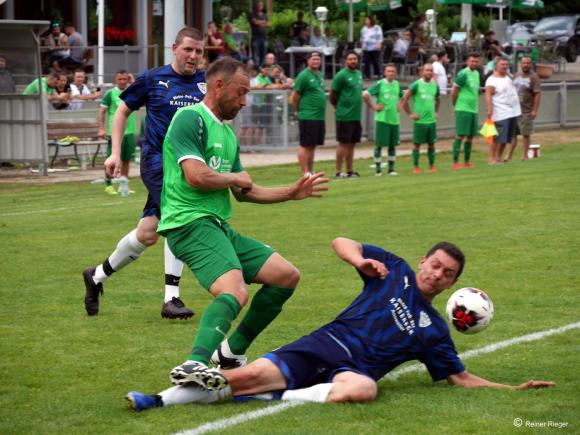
x,y
394,375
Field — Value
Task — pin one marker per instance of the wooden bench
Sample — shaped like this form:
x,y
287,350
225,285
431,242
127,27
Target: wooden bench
x,y
87,130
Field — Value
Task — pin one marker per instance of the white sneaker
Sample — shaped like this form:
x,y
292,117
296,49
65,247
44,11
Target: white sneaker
x,y
198,373
393,173
225,359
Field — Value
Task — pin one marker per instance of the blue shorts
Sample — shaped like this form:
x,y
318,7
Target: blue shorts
x,y
153,181
313,359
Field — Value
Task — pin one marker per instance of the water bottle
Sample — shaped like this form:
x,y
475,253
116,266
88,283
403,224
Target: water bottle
x,y
138,156
123,186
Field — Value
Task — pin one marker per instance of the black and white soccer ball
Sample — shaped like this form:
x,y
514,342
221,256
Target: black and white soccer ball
x,y
469,310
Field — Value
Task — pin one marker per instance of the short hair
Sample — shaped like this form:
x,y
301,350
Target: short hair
x,y
349,52
391,65
474,54
79,70
313,53
441,54
121,71
68,24
188,32
54,75
453,251
227,66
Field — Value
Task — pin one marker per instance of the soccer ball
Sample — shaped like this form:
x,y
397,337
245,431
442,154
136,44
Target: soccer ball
x,y
469,310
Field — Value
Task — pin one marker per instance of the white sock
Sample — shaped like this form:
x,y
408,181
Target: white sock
x,y
184,394
173,271
316,393
128,250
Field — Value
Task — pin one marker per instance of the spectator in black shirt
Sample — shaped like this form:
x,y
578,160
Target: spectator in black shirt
x,y
259,23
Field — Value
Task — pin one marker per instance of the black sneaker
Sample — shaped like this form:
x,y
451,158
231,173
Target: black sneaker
x,y
175,309
198,373
92,293
352,174
218,358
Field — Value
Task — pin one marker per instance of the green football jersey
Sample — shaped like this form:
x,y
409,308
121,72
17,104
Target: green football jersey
x,y
424,96
347,85
388,94
310,86
33,88
111,102
195,133
468,83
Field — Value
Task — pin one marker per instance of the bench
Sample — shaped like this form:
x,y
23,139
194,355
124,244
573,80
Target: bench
x,y
86,130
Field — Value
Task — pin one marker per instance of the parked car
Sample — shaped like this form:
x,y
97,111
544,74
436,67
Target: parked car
x,y
562,32
521,32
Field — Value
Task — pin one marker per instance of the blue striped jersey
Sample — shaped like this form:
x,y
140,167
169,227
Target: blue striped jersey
x,y
391,322
162,91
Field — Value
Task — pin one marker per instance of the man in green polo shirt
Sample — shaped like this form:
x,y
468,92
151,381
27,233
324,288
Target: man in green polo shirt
x,y
109,105
309,102
201,165
388,93
425,95
346,96
48,85
464,98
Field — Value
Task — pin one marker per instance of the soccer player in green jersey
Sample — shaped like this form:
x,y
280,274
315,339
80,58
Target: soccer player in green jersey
x,y
109,105
464,97
425,95
346,96
388,93
309,102
201,166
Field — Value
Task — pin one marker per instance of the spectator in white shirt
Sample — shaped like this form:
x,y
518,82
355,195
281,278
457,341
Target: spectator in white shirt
x,y
80,92
371,37
316,39
442,59
503,107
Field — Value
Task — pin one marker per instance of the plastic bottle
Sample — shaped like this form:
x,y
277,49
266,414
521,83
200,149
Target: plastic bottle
x,y
123,186
138,155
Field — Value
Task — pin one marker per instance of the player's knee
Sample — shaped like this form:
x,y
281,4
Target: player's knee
x,y
290,276
240,293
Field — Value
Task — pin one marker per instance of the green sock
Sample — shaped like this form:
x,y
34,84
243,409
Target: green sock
x,y
214,325
392,154
377,159
265,307
431,155
467,152
416,157
457,149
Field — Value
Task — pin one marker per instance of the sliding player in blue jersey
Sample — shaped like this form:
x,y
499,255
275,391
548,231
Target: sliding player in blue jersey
x,y
162,90
392,321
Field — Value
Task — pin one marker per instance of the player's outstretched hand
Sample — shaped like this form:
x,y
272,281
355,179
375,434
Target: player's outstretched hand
x,y
113,166
535,385
308,186
373,268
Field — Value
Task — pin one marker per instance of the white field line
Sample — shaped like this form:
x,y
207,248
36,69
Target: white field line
x,y
270,410
51,210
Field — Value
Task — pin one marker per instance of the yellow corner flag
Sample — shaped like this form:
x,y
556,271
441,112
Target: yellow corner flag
x,y
488,130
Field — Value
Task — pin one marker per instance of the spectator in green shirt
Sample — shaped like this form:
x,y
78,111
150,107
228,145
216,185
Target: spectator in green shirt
x,y
48,85
309,102
346,96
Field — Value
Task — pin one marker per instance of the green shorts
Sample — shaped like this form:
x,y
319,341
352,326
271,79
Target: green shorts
x,y
424,133
386,135
525,125
127,148
466,124
210,247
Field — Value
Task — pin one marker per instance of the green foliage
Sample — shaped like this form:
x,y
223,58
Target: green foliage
x,y
64,372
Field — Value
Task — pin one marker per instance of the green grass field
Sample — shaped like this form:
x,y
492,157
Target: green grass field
x,y
63,372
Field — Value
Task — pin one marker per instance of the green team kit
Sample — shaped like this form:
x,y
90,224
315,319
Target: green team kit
x,y
466,111
310,86
425,95
111,102
194,223
387,120
348,85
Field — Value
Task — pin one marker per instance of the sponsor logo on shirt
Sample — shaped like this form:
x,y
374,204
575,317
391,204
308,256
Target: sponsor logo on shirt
x,y
424,320
215,162
402,316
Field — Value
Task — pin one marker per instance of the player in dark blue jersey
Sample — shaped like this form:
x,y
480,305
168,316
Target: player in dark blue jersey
x,y
392,321
162,90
